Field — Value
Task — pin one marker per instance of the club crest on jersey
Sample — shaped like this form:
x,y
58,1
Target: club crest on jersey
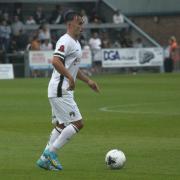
x,y
61,48
72,114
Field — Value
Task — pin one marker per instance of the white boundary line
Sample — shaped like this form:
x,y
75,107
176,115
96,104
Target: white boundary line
x,y
117,109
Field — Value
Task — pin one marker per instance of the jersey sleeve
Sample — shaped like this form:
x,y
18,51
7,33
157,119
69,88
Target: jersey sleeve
x,y
61,49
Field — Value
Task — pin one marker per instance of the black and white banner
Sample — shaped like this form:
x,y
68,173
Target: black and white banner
x,y
132,57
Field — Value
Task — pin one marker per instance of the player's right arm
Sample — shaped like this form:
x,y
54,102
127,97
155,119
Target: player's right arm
x,y
59,66
61,51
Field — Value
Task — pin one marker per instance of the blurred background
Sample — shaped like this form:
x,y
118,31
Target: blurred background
x,y
119,36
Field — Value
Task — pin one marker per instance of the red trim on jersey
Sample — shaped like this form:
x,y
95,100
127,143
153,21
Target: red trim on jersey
x,y
61,48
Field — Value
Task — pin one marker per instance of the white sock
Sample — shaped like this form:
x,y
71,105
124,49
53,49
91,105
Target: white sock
x,y
64,137
53,136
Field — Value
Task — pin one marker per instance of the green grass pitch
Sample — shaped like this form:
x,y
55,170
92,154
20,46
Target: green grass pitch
x,y
139,114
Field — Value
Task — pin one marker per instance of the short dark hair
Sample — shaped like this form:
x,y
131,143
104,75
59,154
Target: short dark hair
x,y
70,14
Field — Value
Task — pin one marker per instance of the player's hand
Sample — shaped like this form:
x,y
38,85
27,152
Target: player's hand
x,y
93,85
71,84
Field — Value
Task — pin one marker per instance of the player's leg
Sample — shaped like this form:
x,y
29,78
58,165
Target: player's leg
x,y
66,112
54,134
45,156
78,124
67,133
43,162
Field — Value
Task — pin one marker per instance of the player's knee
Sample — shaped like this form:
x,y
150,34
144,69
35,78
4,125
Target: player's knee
x,y
79,124
61,126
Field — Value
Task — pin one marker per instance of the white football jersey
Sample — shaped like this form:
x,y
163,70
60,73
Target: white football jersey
x,y
69,51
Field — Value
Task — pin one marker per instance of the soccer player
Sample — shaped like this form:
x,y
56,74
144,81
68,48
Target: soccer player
x,y
65,113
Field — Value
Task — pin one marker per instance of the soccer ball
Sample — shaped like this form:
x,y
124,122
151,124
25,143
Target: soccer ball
x,y
115,159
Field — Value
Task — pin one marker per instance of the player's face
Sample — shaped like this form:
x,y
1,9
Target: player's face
x,y
77,24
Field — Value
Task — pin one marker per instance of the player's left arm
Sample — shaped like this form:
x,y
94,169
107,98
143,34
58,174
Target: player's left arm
x,y
92,84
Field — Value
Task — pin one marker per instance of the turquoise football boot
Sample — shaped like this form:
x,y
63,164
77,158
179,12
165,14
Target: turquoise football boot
x,y
52,157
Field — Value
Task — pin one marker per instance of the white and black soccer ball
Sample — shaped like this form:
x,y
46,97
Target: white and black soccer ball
x,y
115,159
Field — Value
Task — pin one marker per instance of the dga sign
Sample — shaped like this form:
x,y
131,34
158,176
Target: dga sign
x,y
6,71
132,57
42,59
